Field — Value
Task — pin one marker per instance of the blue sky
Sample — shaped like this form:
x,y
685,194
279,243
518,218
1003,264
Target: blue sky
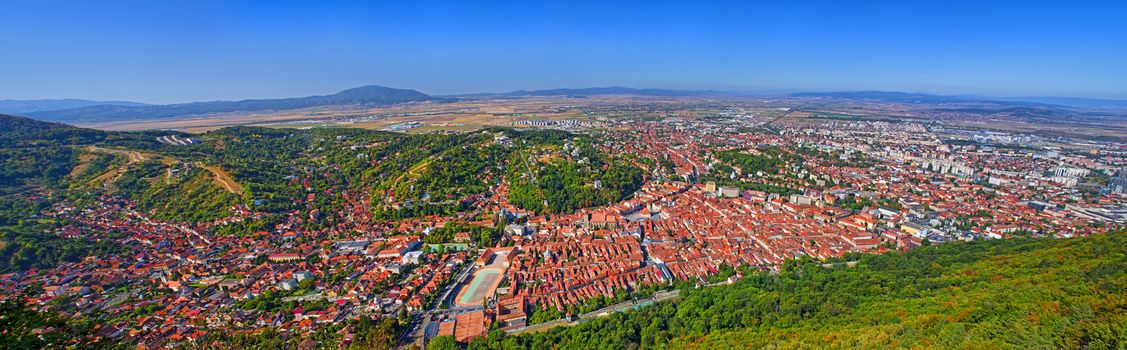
x,y
168,51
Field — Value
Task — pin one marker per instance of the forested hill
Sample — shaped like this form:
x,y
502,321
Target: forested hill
x,y
371,95
10,125
1018,293
274,171
40,153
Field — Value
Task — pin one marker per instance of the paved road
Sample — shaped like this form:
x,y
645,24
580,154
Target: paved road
x,y
418,327
460,278
405,338
540,327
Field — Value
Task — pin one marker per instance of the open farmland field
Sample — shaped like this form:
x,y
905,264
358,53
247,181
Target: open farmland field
x,y
451,116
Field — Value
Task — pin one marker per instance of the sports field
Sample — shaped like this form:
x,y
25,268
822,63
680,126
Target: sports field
x,y
483,284
485,281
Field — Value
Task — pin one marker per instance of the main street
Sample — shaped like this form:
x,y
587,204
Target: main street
x,y
417,329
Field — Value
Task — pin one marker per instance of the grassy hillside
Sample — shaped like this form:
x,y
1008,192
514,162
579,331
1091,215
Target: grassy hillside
x,y
1020,293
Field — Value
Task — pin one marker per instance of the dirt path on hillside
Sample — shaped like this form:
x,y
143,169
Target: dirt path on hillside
x,y
223,179
84,161
410,172
220,176
133,156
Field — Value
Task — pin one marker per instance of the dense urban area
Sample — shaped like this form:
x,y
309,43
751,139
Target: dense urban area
x,y
565,223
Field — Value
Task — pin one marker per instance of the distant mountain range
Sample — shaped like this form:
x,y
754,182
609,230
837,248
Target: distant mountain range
x,y
1038,109
31,106
371,95
905,97
611,90
887,96
1069,101
86,111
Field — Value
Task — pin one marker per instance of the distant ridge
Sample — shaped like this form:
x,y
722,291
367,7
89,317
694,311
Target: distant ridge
x,y
1070,101
906,97
29,106
31,134
12,123
610,90
888,96
372,95
86,111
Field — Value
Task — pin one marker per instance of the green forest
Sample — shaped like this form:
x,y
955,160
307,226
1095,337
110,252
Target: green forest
x,y
23,245
579,179
1017,293
281,170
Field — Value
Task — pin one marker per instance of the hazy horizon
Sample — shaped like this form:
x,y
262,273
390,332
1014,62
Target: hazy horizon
x,y
203,51
749,93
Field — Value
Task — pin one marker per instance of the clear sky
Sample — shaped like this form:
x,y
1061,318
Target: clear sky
x,y
167,51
